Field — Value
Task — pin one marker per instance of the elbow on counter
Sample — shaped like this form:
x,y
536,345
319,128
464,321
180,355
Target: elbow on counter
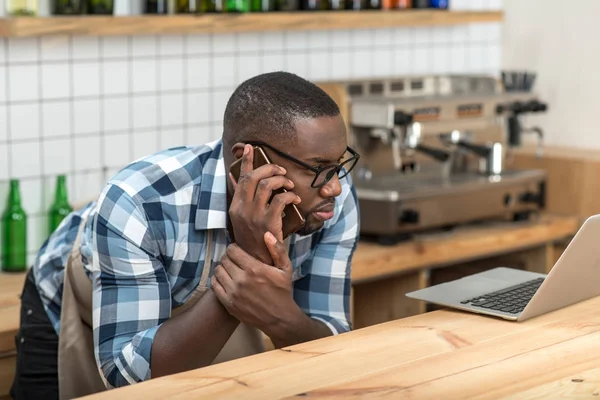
x,y
125,362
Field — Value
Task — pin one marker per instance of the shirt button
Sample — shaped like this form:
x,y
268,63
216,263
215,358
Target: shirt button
x,y
22,340
29,312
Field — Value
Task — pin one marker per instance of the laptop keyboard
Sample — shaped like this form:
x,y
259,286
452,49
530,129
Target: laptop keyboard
x,y
511,300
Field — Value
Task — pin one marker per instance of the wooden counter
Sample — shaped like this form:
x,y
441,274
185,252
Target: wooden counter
x,y
10,289
438,355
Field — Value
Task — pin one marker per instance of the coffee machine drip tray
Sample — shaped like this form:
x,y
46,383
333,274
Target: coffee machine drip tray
x,y
398,203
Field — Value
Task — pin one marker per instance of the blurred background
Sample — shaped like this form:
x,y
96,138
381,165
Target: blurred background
x,y
83,106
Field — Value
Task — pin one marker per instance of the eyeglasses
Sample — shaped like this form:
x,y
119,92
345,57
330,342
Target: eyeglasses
x,y
322,174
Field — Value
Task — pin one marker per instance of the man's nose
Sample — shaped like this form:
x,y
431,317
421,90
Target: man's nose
x,y
333,188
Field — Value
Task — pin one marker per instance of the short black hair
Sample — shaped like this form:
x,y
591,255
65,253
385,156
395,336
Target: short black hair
x,y
267,106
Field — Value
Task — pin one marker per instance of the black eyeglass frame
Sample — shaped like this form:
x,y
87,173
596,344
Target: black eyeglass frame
x,y
317,170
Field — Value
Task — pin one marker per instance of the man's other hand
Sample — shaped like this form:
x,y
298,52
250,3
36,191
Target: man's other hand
x,y
255,293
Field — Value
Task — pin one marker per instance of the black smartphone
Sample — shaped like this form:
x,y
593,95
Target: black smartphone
x,y
292,218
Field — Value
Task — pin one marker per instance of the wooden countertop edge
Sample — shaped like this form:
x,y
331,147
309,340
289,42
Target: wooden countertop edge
x,y
452,355
372,261
230,23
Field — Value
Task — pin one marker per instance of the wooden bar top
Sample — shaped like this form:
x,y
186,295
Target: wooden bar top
x,y
231,23
438,355
11,285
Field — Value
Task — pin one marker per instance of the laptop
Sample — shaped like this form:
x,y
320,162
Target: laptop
x,y
518,295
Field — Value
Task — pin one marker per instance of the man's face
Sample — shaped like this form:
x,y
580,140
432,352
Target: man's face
x,y
320,142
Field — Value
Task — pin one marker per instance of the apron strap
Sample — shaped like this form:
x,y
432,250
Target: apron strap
x,y
202,286
81,283
207,261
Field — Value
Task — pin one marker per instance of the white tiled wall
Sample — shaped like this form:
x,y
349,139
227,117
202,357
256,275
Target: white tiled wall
x,y
85,106
567,71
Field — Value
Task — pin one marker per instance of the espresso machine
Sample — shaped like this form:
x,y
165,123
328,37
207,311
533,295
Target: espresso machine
x,y
433,150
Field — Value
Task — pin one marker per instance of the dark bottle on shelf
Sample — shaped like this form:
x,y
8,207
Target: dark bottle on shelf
x,y
262,5
100,7
365,4
355,4
66,7
421,4
14,246
211,6
156,7
311,5
287,5
186,6
61,207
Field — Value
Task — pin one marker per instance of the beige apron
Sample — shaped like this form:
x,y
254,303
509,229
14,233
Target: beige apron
x,y
78,374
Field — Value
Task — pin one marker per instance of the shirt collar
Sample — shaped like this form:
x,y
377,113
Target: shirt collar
x,y
211,211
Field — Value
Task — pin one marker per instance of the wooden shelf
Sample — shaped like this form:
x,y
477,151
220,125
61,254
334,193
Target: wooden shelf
x,y
221,23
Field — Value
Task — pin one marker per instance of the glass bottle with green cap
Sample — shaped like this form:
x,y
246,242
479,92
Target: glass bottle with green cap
x,y
61,207
14,246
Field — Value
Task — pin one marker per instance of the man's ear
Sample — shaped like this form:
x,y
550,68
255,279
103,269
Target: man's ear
x,y
238,150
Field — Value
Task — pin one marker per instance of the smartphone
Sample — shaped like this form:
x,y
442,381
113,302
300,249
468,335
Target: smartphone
x,y
292,218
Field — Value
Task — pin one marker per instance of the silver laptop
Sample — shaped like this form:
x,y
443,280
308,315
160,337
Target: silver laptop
x,y
518,295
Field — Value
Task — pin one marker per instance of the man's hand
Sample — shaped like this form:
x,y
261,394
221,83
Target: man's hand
x,y
250,213
256,293
262,296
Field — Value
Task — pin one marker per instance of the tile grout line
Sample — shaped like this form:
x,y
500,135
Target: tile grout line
x,y
41,119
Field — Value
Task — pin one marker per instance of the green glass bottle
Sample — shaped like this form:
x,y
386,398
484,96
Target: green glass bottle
x,y
61,207
262,5
237,6
14,248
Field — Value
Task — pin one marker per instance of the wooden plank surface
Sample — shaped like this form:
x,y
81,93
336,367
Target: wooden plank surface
x,y
10,288
9,324
11,285
373,261
7,374
229,23
443,354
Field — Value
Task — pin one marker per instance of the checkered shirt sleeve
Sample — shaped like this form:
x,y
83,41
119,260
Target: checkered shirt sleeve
x,y
131,296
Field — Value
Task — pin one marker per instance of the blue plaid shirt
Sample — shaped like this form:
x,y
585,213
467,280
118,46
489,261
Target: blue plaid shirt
x,y
144,246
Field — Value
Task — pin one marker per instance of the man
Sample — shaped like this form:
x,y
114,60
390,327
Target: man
x,y
185,263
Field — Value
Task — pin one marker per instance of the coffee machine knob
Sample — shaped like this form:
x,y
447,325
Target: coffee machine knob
x,y
402,119
530,197
409,217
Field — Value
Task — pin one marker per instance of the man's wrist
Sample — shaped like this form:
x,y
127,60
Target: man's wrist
x,y
287,327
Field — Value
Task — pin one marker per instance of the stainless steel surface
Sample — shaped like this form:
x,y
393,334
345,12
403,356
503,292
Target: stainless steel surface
x,y
391,205
493,165
432,152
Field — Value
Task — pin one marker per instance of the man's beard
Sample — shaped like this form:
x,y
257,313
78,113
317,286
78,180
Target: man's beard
x,y
308,227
